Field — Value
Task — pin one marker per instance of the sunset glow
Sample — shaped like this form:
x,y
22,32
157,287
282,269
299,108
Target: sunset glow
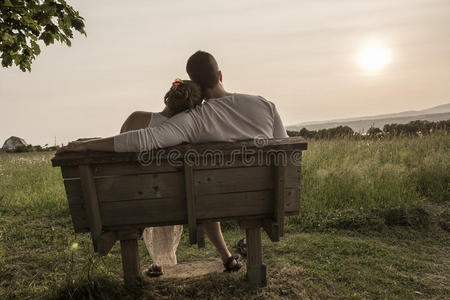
x,y
374,56
317,60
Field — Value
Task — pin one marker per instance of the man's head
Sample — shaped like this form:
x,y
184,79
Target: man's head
x,y
203,69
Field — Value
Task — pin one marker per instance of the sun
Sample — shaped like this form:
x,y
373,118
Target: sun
x,y
374,56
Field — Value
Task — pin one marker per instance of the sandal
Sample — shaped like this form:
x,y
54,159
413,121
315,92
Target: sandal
x,y
241,246
229,268
154,271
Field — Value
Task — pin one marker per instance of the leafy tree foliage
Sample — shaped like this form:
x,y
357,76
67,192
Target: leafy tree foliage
x,y
416,128
374,131
32,148
330,133
24,22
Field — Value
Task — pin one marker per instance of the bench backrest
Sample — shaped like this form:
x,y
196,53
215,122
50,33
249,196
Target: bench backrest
x,y
183,185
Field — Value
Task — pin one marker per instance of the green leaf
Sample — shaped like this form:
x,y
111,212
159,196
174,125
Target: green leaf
x,y
47,38
6,60
35,47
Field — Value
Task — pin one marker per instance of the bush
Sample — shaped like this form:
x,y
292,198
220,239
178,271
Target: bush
x,y
414,128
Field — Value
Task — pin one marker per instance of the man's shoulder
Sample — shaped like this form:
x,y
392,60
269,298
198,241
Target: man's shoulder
x,y
252,97
235,101
257,99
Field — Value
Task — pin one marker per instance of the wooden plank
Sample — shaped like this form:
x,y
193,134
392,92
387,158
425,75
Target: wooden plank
x,y
74,191
292,188
191,199
272,229
93,157
91,201
234,205
232,180
286,144
133,187
141,219
129,168
291,201
130,262
154,211
239,204
70,172
121,169
201,238
171,184
256,270
105,242
136,187
254,255
79,218
148,211
230,162
279,197
127,234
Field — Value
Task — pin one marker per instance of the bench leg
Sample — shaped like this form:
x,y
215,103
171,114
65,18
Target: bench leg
x,y
256,270
200,237
130,262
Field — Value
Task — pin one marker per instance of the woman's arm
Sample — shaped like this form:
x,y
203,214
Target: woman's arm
x,y
106,145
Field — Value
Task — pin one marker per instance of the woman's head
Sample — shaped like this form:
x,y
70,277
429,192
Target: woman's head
x,y
183,95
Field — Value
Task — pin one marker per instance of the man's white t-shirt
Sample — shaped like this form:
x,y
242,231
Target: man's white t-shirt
x,y
231,118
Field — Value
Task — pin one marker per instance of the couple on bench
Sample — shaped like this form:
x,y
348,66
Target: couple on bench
x,y
196,111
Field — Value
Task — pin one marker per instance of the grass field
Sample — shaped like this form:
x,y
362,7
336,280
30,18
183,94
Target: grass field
x,y
374,223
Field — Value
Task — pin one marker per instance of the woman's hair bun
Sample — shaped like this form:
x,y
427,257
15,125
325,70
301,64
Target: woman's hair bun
x,y
183,95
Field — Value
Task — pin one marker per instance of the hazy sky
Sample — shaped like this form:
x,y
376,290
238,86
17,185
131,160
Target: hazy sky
x,y
302,55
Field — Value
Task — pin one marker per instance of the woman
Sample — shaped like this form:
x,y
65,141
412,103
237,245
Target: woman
x,y
162,242
218,120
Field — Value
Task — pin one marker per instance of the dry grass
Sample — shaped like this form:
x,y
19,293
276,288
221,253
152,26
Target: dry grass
x,y
374,224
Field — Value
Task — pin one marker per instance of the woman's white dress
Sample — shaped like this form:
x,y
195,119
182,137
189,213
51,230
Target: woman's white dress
x,y
162,241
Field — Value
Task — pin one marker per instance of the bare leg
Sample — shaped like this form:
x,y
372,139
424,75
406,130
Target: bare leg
x,y
214,234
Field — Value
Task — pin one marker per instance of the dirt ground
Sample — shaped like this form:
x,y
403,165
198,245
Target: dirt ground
x,y
191,269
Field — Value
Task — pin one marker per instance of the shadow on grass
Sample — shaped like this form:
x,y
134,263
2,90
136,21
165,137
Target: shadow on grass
x,y
215,285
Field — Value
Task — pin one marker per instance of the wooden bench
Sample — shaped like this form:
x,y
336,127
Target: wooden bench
x,y
115,195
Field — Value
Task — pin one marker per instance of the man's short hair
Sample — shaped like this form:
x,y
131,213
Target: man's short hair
x,y
203,69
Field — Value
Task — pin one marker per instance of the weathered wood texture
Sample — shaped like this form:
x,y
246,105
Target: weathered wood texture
x,y
113,194
191,199
134,194
137,199
130,261
91,202
256,270
202,150
129,193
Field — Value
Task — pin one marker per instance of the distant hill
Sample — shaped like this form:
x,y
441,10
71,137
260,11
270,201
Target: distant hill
x,y
362,124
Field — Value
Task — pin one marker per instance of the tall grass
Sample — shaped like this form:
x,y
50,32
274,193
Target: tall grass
x,y
363,175
38,258
29,184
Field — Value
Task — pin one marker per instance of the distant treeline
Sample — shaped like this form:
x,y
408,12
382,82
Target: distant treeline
x,y
414,128
31,148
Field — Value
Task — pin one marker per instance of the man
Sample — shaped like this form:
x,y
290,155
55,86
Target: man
x,y
224,117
